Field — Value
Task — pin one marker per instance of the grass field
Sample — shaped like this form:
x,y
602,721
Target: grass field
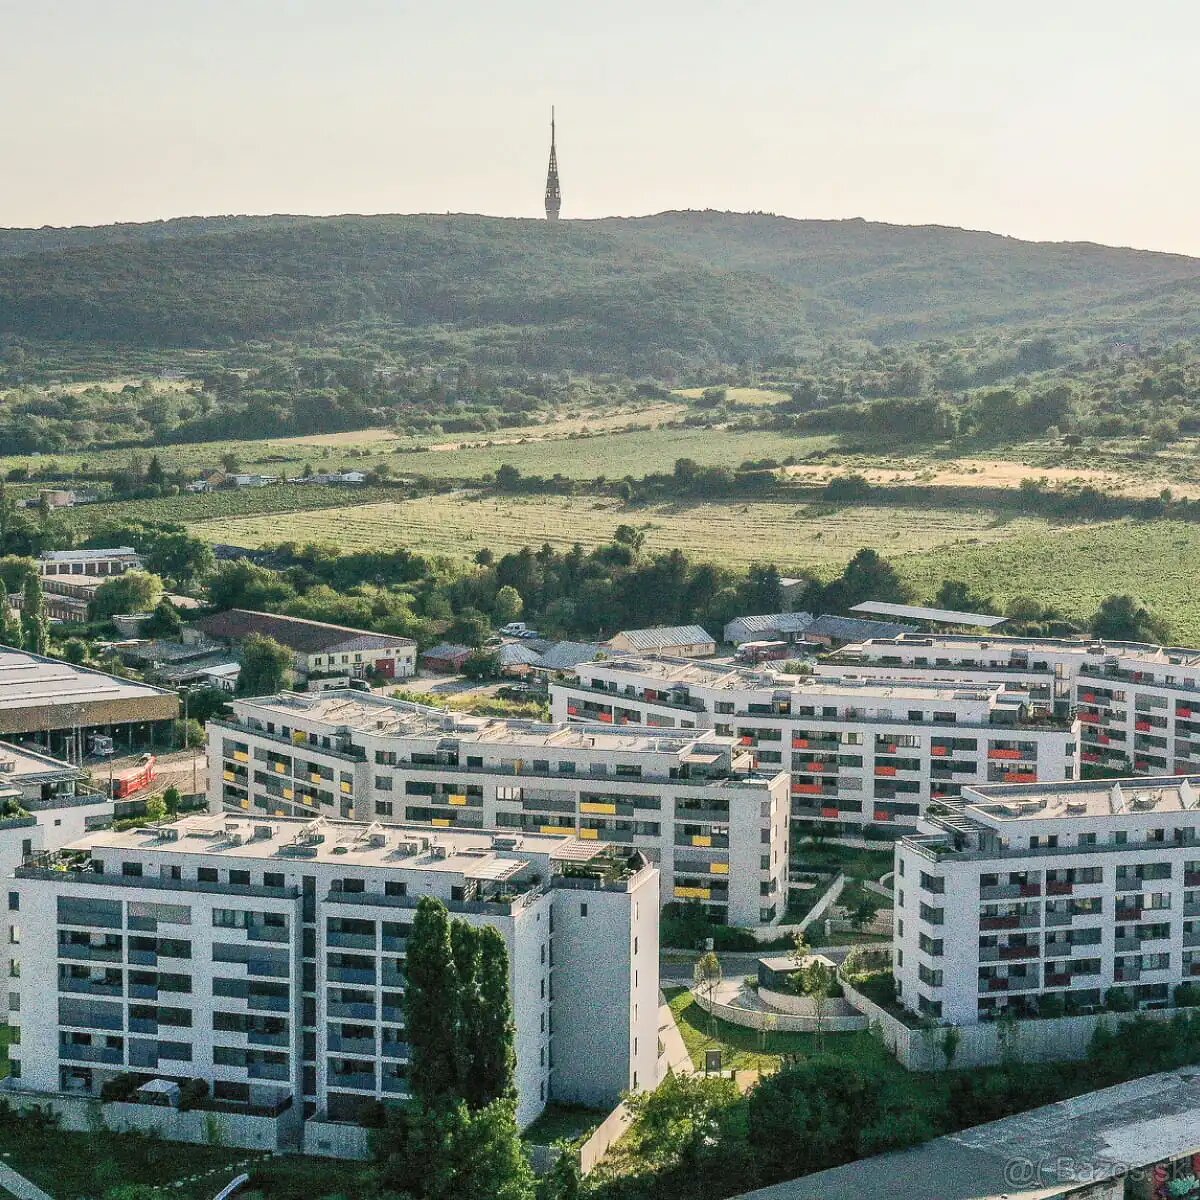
x,y
210,506
1074,569
362,448
739,395
794,536
615,455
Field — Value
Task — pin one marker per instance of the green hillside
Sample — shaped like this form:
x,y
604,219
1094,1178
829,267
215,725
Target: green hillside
x,y
646,294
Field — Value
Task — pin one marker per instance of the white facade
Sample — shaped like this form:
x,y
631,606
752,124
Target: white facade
x,y
114,561
267,959
860,752
691,802
1138,705
1064,891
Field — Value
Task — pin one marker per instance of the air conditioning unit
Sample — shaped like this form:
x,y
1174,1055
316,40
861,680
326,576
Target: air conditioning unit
x,y
440,851
8,765
263,831
169,833
505,841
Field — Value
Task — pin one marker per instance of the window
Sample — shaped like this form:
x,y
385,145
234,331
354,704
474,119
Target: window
x,y
206,874
583,910
239,878
132,869
14,901
394,887
273,879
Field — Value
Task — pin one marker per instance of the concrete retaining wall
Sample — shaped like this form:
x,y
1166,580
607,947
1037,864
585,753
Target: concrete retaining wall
x,y
1055,1039
332,1139
608,1131
843,1021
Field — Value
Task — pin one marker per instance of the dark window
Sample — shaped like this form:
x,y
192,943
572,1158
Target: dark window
x,y
207,874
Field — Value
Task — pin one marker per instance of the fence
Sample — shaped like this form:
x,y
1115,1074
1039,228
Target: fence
x,y
1054,1039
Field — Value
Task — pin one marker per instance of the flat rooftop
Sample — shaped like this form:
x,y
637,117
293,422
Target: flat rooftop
x,y
943,616
1084,646
469,853
383,717
29,681
1032,1156
1145,795
690,672
19,764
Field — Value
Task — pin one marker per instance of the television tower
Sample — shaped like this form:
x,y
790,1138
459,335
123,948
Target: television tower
x,y
553,195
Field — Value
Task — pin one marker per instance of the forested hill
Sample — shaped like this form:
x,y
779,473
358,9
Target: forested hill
x,y
642,294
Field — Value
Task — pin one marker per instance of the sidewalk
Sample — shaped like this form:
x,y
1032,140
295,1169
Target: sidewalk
x,y
19,1186
675,1053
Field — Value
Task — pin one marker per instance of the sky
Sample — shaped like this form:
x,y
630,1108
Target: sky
x,y
1055,120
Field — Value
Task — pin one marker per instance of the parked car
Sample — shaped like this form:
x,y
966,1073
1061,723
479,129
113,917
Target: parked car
x,y
514,629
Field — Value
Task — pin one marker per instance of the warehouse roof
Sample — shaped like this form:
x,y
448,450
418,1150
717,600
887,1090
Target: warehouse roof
x,y
665,635
1046,1152
855,629
789,622
943,616
306,637
38,693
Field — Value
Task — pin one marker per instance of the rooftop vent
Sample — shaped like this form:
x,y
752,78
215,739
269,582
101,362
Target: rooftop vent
x,y
505,841
263,832
440,851
1076,806
8,765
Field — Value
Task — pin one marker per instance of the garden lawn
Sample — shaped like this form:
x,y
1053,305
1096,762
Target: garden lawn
x,y
563,1123
855,862
75,1166
746,1049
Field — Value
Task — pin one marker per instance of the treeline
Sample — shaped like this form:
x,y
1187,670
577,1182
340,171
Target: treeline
x,y
290,395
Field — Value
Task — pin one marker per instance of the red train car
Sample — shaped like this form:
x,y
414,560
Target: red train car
x,y
133,779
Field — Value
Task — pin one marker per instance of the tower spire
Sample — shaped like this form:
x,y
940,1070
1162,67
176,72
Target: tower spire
x,y
553,195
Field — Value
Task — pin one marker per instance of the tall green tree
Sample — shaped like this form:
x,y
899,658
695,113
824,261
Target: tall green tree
x,y
1125,618
265,666
34,622
491,1025
430,1004
132,592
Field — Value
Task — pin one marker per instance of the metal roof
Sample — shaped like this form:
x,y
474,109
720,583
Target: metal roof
x,y
665,635
943,616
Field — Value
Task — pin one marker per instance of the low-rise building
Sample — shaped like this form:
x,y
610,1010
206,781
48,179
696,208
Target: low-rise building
x,y
768,627
319,648
62,705
680,641
267,958
115,560
860,752
691,802
1050,893
446,658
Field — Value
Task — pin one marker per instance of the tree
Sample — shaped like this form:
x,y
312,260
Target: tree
x,y
481,664
492,1028
242,584
156,808
770,1023
164,622
132,592
958,597
190,733
819,983
171,799
10,621
508,606
180,557
265,665
863,913
74,651
706,977
34,622
430,1004
452,1153
1125,618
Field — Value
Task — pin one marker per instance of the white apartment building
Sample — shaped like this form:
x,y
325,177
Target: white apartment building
x,y
1138,704
860,752
1065,890
267,958
693,802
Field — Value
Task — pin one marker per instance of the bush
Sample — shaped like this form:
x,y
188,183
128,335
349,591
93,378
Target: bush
x,y
1187,995
192,1094
119,1087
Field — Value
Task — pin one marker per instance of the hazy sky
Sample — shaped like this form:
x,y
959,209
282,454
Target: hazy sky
x,y
1055,119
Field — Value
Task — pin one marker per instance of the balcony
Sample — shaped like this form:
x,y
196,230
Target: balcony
x,y
356,1010
364,1047
1059,887
95,1054
357,1081
350,941
357,975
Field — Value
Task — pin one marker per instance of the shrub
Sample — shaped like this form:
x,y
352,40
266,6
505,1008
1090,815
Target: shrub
x,y
119,1087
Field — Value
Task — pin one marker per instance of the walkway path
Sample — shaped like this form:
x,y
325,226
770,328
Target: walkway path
x,y
675,1052
20,1186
